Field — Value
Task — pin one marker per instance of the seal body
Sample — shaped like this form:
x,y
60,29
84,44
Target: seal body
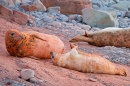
x,y
32,43
111,36
85,62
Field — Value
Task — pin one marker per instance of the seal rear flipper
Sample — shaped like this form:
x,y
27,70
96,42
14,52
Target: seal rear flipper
x,y
121,72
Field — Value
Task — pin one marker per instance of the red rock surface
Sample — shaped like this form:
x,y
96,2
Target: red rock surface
x,y
45,70
20,17
29,7
6,13
68,6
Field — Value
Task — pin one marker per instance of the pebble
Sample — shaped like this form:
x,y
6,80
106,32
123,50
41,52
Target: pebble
x,y
26,74
79,18
47,19
64,18
85,27
92,79
74,22
35,80
55,9
56,24
72,17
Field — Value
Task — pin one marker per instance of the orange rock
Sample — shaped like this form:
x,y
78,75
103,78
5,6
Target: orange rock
x,y
68,6
32,43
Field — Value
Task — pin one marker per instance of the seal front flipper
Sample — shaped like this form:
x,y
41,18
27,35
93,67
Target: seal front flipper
x,y
39,37
82,38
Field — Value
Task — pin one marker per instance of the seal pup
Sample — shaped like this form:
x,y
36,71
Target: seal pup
x,y
32,43
85,62
111,36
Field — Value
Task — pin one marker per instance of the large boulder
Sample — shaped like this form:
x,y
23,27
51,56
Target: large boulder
x,y
20,17
39,5
68,6
122,5
6,13
101,19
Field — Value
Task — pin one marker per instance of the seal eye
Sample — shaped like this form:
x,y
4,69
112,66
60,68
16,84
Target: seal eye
x,y
12,34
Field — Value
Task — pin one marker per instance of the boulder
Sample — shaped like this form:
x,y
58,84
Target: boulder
x,y
20,17
9,3
122,5
101,19
29,7
6,13
68,6
39,5
16,2
54,9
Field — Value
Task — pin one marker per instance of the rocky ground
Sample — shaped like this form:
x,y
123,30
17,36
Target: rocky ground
x,y
65,27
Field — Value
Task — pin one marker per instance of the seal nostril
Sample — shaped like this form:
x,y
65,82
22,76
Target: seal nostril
x,y
12,34
52,54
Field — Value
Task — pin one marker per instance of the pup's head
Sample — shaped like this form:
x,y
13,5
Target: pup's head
x,y
13,36
54,57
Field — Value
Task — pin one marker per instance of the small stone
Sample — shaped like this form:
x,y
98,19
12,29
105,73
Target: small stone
x,y
47,19
27,74
79,18
127,14
39,5
56,24
129,7
72,17
74,22
64,18
30,21
54,9
26,1
85,27
35,80
92,79
95,7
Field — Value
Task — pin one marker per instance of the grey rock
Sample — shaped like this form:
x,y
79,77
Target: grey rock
x,y
74,22
56,24
47,19
53,9
95,7
101,19
79,18
127,14
27,74
64,18
72,17
35,80
39,5
122,5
